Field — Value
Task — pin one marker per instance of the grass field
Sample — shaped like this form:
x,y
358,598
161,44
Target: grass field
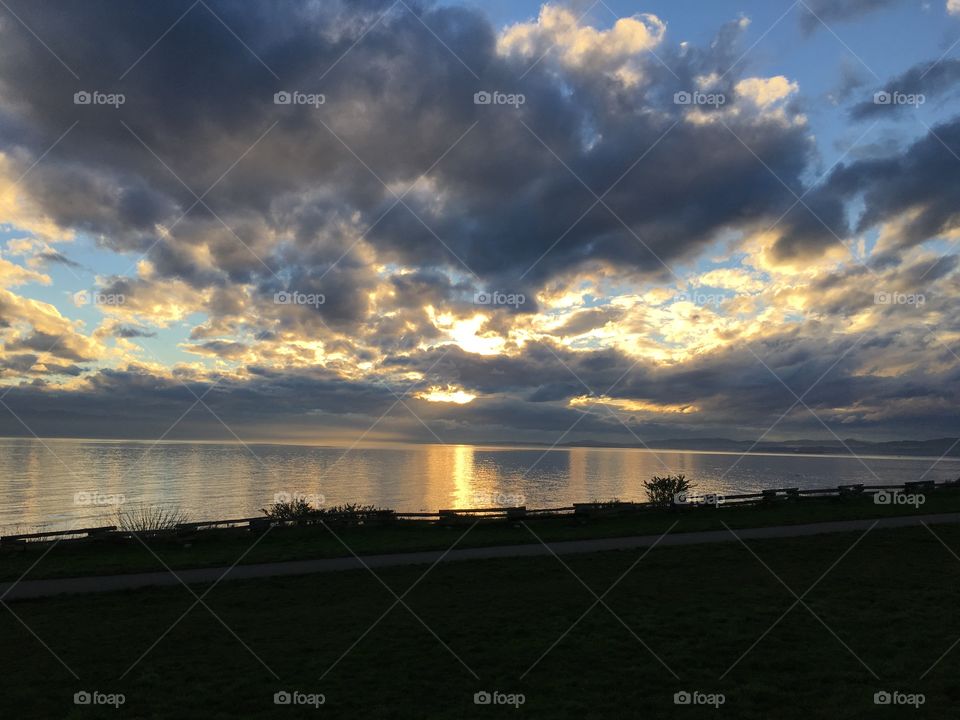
x,y
878,615
224,547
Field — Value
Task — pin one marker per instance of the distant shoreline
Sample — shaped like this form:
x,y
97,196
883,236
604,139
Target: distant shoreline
x,y
940,449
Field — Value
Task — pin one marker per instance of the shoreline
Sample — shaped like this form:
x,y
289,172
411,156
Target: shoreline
x,y
108,512
317,534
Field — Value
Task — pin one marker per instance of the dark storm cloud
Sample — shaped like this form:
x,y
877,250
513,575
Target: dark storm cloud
x,y
516,192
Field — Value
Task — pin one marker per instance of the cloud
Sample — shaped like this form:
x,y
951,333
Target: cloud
x,y
32,325
764,92
310,254
12,274
53,256
310,191
737,390
926,82
128,332
558,30
817,13
917,191
852,78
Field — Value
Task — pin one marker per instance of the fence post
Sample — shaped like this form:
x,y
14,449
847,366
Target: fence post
x,y
259,524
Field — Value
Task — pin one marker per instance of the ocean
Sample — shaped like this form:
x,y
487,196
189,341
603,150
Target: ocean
x,y
57,483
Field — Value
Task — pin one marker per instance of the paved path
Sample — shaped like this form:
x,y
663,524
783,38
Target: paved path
x,y
105,583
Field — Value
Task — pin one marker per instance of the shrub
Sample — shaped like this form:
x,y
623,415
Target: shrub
x,y
352,514
295,509
662,491
149,518
299,510
351,509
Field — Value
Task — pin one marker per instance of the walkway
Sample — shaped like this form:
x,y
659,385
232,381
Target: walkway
x,y
105,583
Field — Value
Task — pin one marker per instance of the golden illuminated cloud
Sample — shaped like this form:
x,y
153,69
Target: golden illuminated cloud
x,y
446,395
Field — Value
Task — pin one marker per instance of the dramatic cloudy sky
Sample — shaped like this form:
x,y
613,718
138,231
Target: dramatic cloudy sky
x,y
675,219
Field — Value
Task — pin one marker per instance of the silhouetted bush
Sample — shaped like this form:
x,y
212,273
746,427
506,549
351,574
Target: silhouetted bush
x,y
300,511
149,518
663,491
286,510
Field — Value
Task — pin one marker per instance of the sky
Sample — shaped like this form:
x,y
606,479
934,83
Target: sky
x,y
399,221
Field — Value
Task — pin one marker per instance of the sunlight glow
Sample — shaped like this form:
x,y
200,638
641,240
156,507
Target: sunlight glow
x,y
447,395
633,405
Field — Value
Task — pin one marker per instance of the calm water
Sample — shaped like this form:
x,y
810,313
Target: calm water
x,y
40,480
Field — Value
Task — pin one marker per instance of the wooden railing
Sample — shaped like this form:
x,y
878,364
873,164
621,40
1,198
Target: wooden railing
x,y
513,514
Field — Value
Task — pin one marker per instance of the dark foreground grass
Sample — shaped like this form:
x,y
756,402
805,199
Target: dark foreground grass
x,y
225,547
886,606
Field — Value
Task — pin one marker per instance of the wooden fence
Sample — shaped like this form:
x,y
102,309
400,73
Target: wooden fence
x,y
511,514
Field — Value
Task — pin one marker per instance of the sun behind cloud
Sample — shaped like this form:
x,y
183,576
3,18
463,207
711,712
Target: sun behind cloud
x,y
447,395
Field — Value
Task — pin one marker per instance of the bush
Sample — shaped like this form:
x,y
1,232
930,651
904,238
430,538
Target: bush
x,y
149,518
662,491
353,514
299,510
295,509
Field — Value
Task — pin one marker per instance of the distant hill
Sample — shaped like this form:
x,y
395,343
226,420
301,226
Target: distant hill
x,y
929,448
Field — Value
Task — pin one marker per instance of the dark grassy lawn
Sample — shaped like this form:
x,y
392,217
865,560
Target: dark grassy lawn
x,y
891,602
224,547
